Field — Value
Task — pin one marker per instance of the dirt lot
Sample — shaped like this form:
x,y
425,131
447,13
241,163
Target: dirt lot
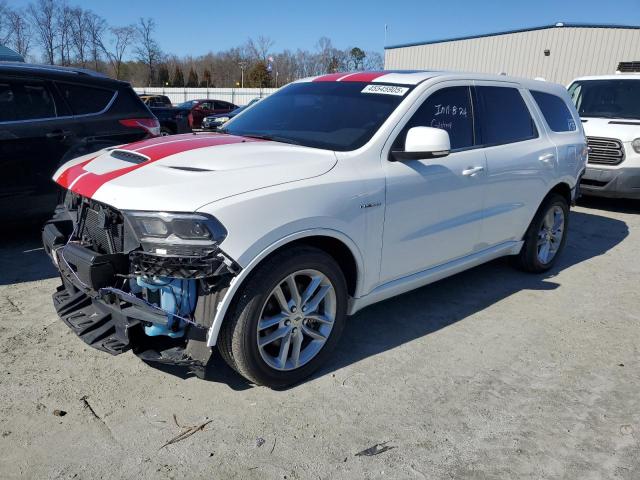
x,y
489,374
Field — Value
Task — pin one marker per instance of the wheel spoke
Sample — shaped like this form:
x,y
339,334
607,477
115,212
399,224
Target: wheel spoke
x,y
284,350
313,333
273,336
548,219
271,321
281,299
293,289
312,305
544,252
295,349
311,288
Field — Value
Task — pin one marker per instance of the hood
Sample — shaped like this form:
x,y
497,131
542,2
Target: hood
x,y
624,130
181,173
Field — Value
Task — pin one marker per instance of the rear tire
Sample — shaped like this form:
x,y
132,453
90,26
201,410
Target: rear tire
x,y
287,318
546,236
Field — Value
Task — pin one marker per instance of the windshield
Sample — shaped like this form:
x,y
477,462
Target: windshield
x,y
188,104
338,116
607,98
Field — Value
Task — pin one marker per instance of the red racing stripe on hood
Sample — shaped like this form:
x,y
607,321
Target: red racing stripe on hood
x,y
87,183
363,77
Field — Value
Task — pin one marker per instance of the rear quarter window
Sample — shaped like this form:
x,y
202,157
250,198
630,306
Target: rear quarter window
x,y
555,112
504,116
84,99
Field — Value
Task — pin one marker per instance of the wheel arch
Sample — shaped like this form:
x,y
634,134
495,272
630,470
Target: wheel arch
x,y
333,242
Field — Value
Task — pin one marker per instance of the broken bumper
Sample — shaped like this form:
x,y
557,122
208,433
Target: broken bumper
x,y
114,321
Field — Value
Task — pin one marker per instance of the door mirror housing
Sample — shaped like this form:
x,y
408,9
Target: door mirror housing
x,y
423,142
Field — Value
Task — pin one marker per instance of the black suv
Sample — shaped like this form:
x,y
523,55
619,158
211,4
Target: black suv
x,y
49,115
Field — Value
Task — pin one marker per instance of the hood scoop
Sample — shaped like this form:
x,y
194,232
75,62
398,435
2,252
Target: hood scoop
x,y
191,169
129,156
623,122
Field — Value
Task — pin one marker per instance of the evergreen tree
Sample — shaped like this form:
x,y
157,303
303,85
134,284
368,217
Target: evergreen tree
x,y
259,76
178,78
163,76
192,79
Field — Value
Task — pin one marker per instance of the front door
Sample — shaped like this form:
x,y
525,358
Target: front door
x,y
434,206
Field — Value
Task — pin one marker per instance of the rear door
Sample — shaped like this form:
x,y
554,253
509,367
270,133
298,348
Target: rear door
x,y
520,160
36,129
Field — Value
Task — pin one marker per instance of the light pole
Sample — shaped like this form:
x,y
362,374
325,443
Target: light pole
x,y
243,65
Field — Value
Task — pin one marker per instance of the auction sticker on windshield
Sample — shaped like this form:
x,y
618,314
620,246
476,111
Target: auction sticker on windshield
x,y
385,90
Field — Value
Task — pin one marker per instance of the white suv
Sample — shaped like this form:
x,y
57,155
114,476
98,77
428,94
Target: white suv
x,y
334,193
609,106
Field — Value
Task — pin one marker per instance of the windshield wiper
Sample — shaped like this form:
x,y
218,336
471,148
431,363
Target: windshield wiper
x,y
273,138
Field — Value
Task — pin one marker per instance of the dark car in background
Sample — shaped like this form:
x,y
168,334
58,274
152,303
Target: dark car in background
x,y
203,108
214,122
49,115
172,119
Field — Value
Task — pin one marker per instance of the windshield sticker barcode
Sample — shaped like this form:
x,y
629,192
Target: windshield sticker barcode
x,y
385,90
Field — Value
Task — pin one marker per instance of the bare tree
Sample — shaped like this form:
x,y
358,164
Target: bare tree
x,y
20,38
147,50
5,26
259,49
80,35
63,22
43,17
121,38
96,28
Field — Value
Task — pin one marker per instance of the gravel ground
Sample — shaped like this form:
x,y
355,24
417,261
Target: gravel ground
x,y
489,374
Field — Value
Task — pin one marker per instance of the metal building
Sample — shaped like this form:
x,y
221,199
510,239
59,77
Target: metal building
x,y
556,53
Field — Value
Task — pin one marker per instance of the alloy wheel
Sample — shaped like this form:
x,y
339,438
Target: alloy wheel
x,y
296,319
550,234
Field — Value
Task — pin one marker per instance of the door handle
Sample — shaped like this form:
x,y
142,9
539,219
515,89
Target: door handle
x,y
58,133
546,158
472,171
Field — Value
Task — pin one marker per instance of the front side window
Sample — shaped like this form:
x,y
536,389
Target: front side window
x,y
84,99
503,116
448,109
339,116
555,112
8,108
607,98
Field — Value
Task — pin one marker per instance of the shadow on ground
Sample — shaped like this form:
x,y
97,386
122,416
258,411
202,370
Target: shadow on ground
x,y
22,258
386,325
427,309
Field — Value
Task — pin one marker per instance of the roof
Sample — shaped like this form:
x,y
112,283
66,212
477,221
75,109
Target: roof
x,y
55,71
615,76
8,55
415,77
402,77
520,30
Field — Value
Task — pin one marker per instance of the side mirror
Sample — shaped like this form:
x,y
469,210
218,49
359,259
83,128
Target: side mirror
x,y
423,142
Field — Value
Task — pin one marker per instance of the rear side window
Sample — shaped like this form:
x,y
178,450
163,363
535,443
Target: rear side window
x,y
555,112
448,109
84,99
504,117
25,101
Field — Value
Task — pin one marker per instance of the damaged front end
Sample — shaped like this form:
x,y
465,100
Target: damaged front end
x,y
146,281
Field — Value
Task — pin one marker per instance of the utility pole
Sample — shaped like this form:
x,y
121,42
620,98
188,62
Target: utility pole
x,y
243,65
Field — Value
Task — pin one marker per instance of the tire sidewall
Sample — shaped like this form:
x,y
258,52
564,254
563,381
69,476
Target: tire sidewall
x,y
258,291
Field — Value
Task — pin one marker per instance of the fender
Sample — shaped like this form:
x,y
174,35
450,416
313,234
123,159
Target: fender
x,y
236,282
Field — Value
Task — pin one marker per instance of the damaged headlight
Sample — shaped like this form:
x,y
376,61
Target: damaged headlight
x,y
176,233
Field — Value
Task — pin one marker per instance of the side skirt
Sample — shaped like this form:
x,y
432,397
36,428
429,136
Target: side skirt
x,y
420,279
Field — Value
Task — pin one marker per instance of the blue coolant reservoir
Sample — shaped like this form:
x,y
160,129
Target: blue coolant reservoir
x,y
176,295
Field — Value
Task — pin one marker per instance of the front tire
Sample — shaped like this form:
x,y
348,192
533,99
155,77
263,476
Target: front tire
x,y
287,319
546,236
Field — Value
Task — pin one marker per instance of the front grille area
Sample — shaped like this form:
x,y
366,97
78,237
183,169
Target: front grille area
x,y
102,227
605,151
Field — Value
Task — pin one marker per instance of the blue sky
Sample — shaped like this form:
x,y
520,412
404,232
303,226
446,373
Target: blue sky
x,y
194,27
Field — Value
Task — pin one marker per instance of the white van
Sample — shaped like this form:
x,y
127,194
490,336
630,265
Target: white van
x,y
609,106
